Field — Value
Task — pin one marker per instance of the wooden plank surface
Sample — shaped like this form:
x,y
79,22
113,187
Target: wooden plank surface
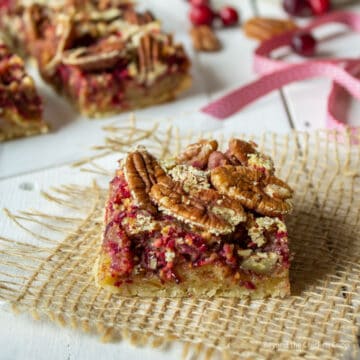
x,y
28,166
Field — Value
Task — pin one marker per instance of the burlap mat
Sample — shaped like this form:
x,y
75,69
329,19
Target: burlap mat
x,y
319,321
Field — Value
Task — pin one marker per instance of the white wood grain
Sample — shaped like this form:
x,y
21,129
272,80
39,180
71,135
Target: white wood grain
x,y
24,338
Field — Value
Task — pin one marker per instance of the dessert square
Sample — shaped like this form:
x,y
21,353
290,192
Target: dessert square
x,y
20,105
104,56
204,223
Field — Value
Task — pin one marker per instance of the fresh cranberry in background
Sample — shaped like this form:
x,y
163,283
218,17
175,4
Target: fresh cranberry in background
x,y
201,15
229,16
320,7
5,4
199,2
297,7
304,44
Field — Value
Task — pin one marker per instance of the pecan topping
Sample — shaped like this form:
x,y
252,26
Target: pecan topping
x,y
35,17
261,28
149,52
256,190
105,54
135,18
198,154
244,153
204,38
239,150
64,37
190,177
141,172
204,208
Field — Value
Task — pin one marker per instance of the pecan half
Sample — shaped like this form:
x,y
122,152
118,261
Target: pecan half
x,y
35,17
205,208
65,29
149,53
135,18
239,151
142,171
244,153
261,192
262,28
105,54
198,154
204,39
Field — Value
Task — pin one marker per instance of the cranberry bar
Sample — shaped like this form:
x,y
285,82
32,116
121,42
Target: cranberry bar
x,y
204,223
20,105
104,56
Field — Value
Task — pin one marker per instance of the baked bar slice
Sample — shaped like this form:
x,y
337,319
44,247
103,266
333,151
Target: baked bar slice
x,y
20,105
105,59
205,223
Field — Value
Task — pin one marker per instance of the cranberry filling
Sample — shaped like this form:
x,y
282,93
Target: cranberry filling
x,y
166,248
118,248
23,101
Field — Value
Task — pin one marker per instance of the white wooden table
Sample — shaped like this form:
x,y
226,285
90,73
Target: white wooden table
x,y
28,166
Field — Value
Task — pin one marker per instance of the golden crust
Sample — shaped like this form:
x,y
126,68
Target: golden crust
x,y
14,129
135,97
206,281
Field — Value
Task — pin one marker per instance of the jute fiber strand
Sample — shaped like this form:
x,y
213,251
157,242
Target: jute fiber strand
x,y
320,320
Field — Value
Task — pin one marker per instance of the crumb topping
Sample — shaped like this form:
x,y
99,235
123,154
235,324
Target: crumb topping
x,y
263,224
168,163
139,223
260,262
260,161
190,177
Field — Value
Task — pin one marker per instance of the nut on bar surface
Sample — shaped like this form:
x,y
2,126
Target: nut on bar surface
x,y
264,28
204,39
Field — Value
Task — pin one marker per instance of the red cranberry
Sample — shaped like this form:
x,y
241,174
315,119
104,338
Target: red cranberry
x,y
304,44
200,2
201,15
320,7
6,4
297,7
229,16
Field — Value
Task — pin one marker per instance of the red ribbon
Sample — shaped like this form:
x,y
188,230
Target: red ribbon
x,y
344,72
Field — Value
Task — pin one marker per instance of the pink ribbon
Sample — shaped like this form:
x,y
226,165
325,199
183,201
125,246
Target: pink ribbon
x,y
344,72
